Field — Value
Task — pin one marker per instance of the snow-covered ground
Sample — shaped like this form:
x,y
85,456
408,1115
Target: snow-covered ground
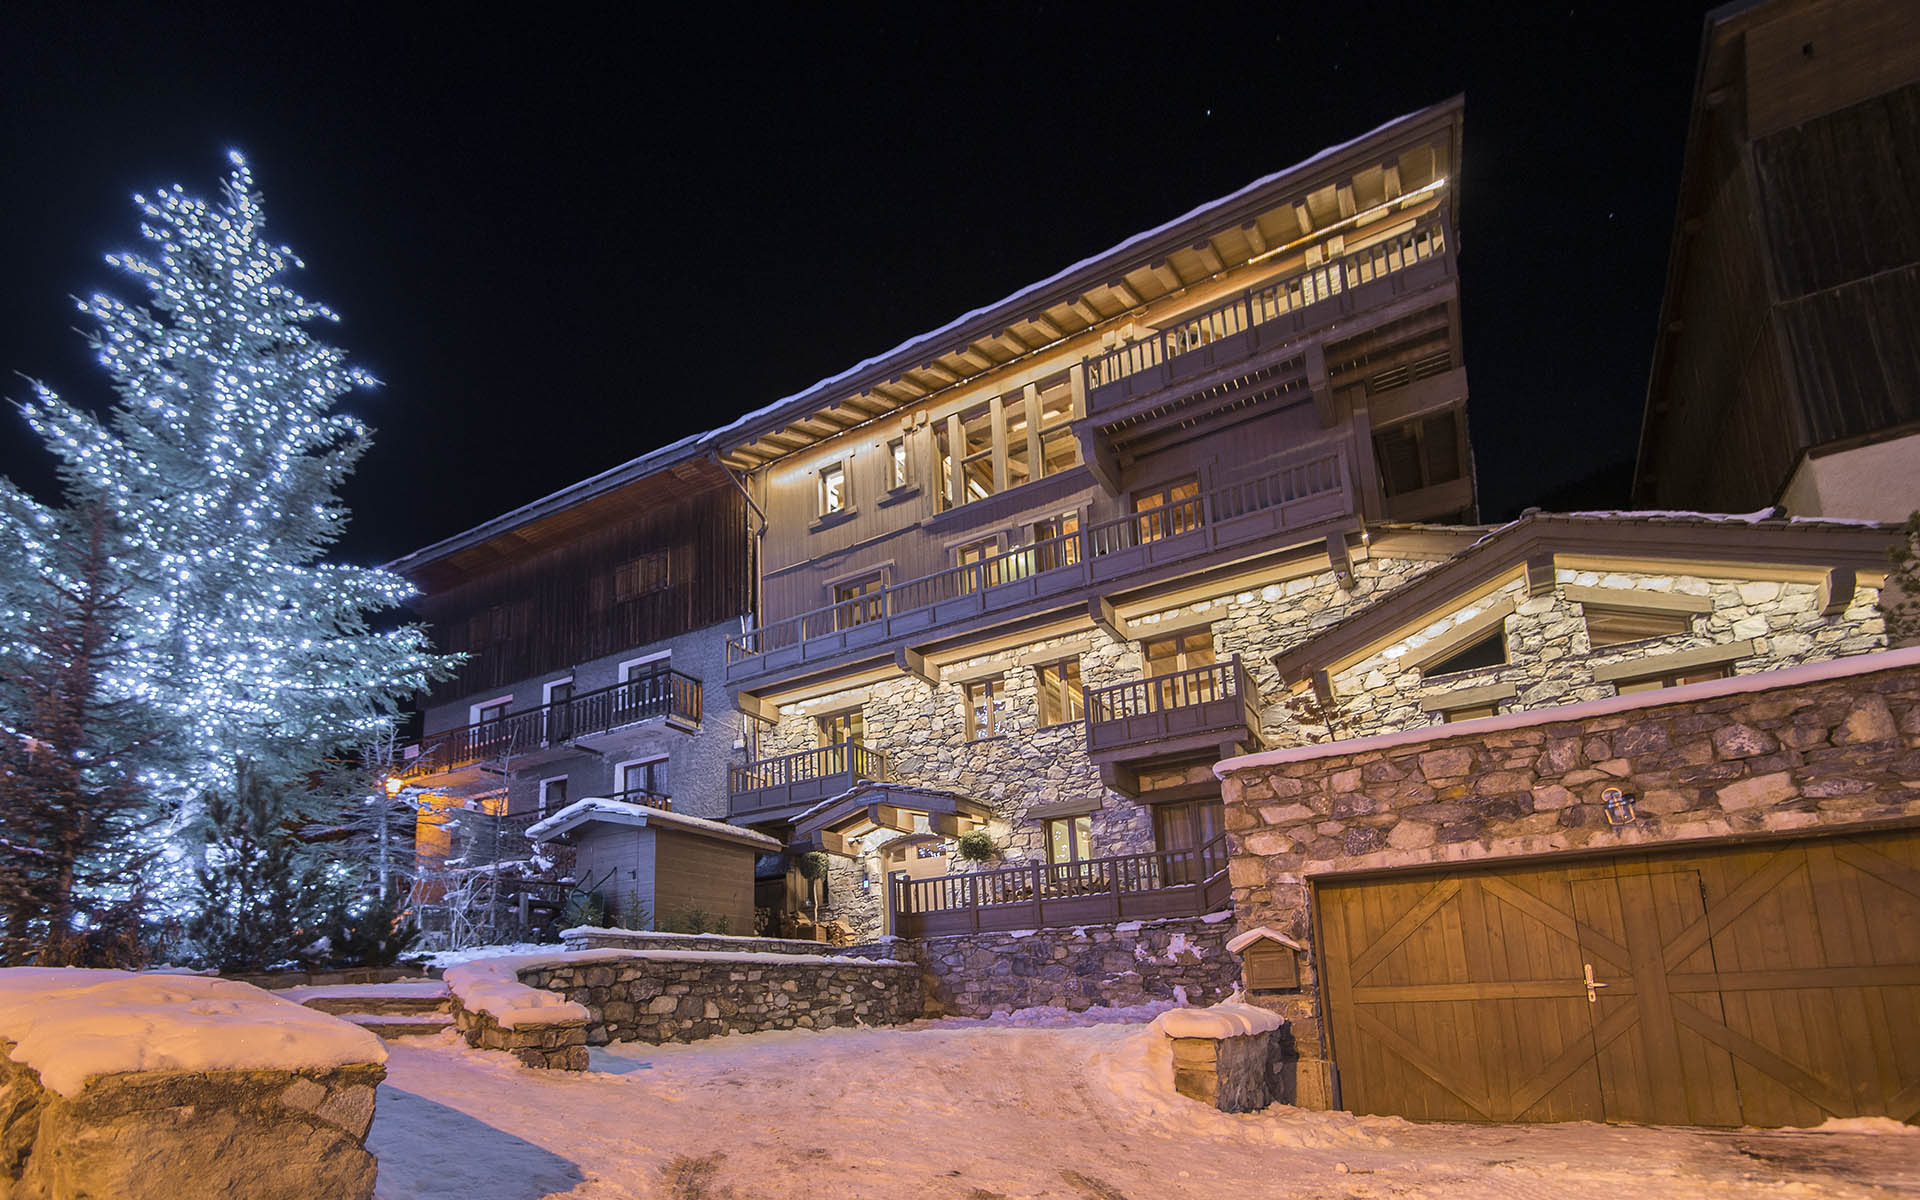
x,y
1042,1105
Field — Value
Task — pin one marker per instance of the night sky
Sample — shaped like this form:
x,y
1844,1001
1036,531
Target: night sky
x,y
562,241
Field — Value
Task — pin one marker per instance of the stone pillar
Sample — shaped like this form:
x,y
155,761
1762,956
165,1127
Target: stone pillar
x,y
1230,1073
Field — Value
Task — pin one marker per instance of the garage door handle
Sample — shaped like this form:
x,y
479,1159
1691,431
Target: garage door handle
x,y
1593,989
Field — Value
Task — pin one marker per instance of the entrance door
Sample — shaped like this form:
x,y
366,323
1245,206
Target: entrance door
x,y
1774,984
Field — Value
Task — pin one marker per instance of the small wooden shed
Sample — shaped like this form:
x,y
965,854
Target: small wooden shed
x,y
651,866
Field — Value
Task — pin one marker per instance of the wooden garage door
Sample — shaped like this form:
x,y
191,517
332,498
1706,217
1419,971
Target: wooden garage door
x,y
1771,984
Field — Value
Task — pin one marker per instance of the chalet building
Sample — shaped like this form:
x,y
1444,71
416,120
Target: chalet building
x,y
1785,370
965,546
594,623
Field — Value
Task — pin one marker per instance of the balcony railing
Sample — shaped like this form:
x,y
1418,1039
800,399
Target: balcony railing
x,y
1267,315
770,786
1157,883
668,693
1155,714
1248,513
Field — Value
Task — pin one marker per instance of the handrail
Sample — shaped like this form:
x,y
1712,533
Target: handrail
x,y
1038,883
822,762
1266,302
1318,475
660,693
1165,693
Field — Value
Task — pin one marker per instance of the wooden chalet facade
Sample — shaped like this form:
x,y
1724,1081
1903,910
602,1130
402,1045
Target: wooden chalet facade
x,y
1785,370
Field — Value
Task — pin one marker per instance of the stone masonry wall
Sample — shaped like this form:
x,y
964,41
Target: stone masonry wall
x,y
922,729
555,1045
267,1135
1552,661
648,939
979,974
1767,759
679,1000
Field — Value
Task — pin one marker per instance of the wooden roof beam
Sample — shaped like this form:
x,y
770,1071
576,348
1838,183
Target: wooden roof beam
x,y
1210,258
1255,238
1047,326
1124,290
867,407
939,372
1086,311
1169,277
788,440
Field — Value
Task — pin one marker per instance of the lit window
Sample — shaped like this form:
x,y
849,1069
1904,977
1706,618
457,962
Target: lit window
x,y
974,553
897,463
833,489
1168,510
1055,542
1472,712
859,601
840,729
1069,839
986,708
1061,699
1023,436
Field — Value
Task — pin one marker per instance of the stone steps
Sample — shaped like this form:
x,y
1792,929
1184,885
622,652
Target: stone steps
x,y
389,1028
389,1010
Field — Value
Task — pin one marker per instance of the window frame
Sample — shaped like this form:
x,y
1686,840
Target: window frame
x,y
659,761
899,464
545,790
996,707
1064,697
844,493
1077,825
854,590
1027,405
477,713
852,719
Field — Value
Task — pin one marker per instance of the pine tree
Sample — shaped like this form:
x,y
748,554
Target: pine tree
x,y
258,898
72,817
218,471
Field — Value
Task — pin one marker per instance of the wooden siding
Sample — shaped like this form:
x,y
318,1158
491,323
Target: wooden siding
x,y
699,873
617,862
561,608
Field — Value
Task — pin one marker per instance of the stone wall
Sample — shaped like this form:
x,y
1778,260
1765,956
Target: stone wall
x,y
1826,746
1552,661
266,1135
922,729
979,974
663,998
554,1045
648,939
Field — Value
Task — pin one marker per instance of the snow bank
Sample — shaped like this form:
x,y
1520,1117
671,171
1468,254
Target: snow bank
x,y
404,988
70,1025
449,958
1229,1018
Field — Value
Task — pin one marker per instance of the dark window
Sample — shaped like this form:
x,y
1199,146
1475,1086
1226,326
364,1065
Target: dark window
x,y
496,711
1182,831
1612,626
1418,454
1470,713
1654,683
1489,651
644,777
639,576
553,795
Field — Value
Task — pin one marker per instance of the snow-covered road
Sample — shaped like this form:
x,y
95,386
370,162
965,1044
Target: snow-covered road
x,y
973,1111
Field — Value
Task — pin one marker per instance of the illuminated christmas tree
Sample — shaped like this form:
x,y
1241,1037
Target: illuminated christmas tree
x,y
218,469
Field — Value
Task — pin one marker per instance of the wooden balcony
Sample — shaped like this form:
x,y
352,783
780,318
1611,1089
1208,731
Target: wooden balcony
x,y
1127,887
1209,711
1246,517
477,757
773,789
1270,317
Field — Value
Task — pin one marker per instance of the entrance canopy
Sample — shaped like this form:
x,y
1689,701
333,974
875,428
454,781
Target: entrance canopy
x,y
833,824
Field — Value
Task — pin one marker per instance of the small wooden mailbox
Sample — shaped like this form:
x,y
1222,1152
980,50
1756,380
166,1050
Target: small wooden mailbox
x,y
1269,960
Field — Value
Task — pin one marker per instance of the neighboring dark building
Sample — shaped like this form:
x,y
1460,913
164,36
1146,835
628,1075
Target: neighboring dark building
x,y
1786,369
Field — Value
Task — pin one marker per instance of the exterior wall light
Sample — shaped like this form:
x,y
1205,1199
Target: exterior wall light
x,y
1618,806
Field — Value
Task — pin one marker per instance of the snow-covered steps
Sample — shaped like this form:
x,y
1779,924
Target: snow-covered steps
x,y
391,1010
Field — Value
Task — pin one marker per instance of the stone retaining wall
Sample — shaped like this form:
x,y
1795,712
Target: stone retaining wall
x,y
979,974
683,1000
553,1045
1821,747
266,1135
648,939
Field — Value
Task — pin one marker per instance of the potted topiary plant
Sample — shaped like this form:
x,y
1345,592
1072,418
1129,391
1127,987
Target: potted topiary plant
x,y
976,846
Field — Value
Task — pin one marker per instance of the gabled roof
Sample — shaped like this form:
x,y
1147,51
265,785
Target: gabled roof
x,y
619,812
1750,538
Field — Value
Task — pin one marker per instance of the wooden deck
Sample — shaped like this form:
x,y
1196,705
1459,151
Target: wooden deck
x,y
1126,887
777,788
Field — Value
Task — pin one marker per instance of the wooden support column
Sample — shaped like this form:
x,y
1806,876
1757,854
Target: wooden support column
x,y
1340,560
758,709
1836,591
1540,578
1102,611
1317,384
1097,452
914,663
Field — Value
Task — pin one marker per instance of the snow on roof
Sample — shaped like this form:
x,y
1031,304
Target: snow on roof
x,y
591,930
1229,1018
941,339
71,1025
622,813
1241,941
1760,681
